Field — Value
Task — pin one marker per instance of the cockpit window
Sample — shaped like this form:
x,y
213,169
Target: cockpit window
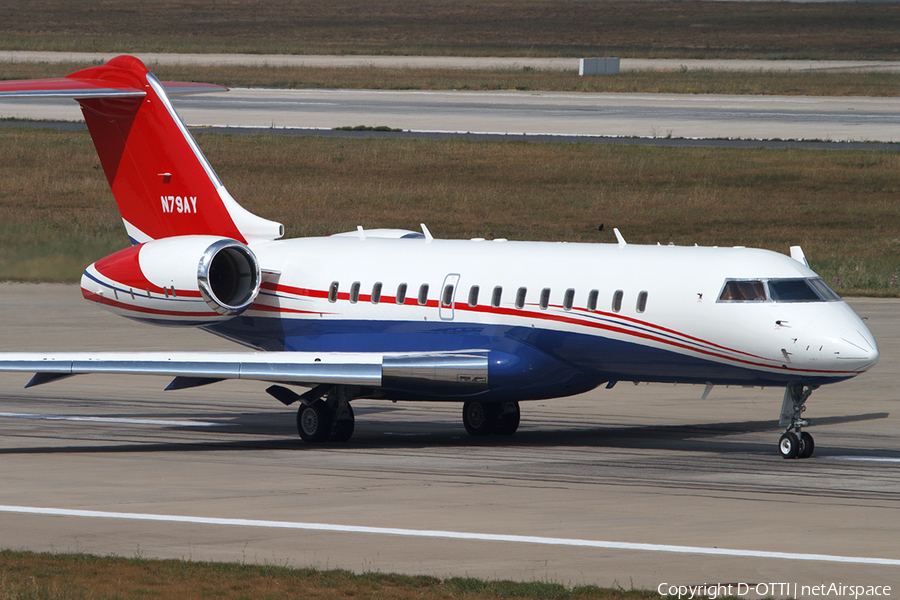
x,y
792,290
826,292
743,291
779,290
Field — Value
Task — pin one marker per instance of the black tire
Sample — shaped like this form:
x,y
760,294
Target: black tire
x,y
314,422
509,419
807,445
342,430
789,445
480,418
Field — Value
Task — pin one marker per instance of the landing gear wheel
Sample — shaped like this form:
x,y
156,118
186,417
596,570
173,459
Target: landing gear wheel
x,y
480,418
789,445
509,419
314,422
807,445
795,443
342,430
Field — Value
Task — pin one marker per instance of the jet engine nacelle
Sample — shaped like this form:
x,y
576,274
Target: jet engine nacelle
x,y
182,280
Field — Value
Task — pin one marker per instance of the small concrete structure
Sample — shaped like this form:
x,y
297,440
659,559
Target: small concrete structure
x,y
598,66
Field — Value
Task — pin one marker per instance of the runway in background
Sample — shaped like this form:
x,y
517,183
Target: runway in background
x,y
660,116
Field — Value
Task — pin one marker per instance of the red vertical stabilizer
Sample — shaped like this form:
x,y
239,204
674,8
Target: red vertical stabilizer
x,y
161,181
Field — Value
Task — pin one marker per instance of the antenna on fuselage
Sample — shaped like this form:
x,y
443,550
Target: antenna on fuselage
x,y
797,254
619,237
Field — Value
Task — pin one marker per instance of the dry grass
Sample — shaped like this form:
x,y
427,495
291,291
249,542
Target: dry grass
x,y
630,28
840,206
672,82
34,576
55,211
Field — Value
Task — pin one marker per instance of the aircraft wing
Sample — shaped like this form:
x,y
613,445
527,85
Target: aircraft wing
x,y
468,368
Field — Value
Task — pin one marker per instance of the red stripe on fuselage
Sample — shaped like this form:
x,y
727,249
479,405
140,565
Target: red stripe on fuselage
x,y
100,299
464,307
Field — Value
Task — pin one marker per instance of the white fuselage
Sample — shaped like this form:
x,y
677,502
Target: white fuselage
x,y
668,323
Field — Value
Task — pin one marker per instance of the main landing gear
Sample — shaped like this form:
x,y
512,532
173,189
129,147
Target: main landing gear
x,y
484,418
795,443
317,423
325,414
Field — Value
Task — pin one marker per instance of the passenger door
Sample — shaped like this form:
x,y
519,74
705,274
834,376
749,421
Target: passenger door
x,y
448,296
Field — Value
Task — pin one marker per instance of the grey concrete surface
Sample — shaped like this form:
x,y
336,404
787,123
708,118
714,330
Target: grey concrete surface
x,y
853,119
456,62
650,464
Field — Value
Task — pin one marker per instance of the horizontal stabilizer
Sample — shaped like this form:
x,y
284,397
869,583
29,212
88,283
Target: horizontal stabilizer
x,y
70,87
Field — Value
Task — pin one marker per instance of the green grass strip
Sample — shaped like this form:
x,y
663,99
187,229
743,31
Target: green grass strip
x,y
38,576
57,214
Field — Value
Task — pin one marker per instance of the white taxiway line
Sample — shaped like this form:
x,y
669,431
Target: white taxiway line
x,y
118,420
454,535
868,458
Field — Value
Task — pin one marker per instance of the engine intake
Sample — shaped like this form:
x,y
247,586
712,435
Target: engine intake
x,y
182,280
228,277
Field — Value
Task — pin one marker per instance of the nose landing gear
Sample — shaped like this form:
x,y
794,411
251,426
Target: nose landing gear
x,y
795,443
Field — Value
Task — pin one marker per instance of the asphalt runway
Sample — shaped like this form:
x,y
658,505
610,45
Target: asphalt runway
x,y
684,116
638,485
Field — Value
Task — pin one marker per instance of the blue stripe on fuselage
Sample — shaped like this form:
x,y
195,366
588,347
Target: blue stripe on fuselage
x,y
524,362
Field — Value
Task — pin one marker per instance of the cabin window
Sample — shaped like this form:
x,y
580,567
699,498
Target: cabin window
x,y
447,298
376,293
642,302
792,290
569,299
423,294
495,297
401,293
520,297
333,291
617,301
592,300
743,291
473,296
545,298
354,292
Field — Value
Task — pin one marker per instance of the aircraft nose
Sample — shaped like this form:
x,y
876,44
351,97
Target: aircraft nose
x,y
856,347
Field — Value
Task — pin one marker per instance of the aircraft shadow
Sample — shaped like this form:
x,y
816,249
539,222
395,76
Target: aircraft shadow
x,y
279,434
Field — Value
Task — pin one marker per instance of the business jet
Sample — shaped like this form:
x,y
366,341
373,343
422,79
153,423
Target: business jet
x,y
401,315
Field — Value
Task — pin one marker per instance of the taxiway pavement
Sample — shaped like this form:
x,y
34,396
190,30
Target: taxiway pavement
x,y
854,119
649,464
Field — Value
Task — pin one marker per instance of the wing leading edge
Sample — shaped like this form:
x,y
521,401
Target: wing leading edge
x,y
467,369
